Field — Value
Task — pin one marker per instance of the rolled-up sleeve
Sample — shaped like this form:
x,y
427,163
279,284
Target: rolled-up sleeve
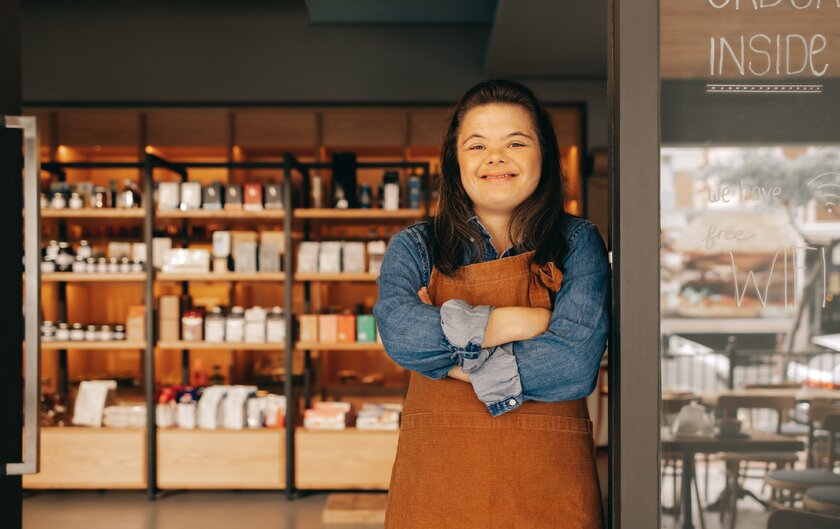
x,y
410,330
562,363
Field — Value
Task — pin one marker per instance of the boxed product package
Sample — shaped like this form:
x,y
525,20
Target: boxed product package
x,y
309,328
379,417
269,257
273,196
190,195
233,196
210,410
365,328
275,411
253,200
138,251
119,249
234,413
375,251
255,412
324,419
332,405
255,325
245,257
125,416
212,196
186,415
329,257
91,399
346,328
221,244
327,328
135,324
308,257
353,257
160,247
169,195
275,326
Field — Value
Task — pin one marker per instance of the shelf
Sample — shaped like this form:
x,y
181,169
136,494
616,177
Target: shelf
x,y
317,346
358,214
336,277
75,277
345,459
93,346
224,276
103,213
219,214
224,346
76,457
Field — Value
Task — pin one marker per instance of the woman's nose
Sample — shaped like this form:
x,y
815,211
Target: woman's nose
x,y
495,156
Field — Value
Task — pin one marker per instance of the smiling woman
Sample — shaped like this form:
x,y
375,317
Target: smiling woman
x,y
499,307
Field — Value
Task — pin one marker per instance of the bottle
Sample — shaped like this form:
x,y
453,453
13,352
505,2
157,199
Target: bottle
x,y
217,378
317,192
113,194
391,191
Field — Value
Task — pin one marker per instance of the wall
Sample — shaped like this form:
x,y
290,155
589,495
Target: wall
x,y
257,53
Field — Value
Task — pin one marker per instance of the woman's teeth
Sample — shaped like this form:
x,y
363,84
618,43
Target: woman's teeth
x,y
499,176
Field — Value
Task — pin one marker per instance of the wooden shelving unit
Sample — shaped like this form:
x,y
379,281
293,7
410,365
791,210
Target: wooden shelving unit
x,y
336,277
225,346
221,277
222,214
93,346
318,346
104,213
358,214
74,277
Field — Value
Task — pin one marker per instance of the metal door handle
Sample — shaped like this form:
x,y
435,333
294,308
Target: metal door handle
x,y
32,268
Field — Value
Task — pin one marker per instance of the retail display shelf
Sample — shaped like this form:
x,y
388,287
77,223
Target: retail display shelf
x,y
92,346
223,346
74,277
345,459
371,214
224,276
91,213
318,346
219,214
335,277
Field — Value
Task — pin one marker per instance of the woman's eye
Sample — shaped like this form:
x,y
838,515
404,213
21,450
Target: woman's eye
x,y
517,144
476,147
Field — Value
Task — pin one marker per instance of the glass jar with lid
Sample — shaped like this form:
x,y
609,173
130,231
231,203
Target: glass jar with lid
x,y
62,334
119,332
64,259
59,201
76,201
105,334
275,326
84,250
113,265
192,326
91,333
77,332
235,325
214,325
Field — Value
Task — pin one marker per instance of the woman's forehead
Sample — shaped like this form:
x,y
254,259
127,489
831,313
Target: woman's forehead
x,y
496,120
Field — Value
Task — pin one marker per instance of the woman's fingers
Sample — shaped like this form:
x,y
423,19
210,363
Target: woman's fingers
x,y
424,296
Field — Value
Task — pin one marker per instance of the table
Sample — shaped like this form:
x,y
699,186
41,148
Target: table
x,y
804,394
726,325
829,341
689,446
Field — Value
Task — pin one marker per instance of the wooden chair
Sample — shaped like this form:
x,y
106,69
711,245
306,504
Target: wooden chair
x,y
826,500
791,486
670,408
817,412
788,519
728,406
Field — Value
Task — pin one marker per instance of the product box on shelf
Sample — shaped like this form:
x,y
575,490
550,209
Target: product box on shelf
x,y
160,247
365,328
327,328
91,399
210,410
245,257
273,196
346,328
353,257
233,196
190,196
376,252
329,258
169,196
253,197
255,325
233,406
187,260
135,324
307,262
212,196
309,327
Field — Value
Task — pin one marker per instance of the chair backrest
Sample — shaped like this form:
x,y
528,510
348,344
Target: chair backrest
x,y
787,519
730,404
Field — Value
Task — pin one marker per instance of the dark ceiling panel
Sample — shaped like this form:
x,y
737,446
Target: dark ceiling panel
x,y
401,11
549,39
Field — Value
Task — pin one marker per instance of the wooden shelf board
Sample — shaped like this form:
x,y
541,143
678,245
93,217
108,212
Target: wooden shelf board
x,y
225,346
90,213
335,277
345,459
74,457
93,346
232,214
226,276
317,346
358,214
73,277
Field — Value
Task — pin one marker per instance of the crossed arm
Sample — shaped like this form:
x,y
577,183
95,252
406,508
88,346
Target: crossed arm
x,y
505,325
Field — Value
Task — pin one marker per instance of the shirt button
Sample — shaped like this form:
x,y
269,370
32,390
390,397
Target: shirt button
x,y
512,402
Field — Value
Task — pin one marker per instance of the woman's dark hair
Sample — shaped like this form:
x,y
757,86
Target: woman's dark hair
x,y
536,223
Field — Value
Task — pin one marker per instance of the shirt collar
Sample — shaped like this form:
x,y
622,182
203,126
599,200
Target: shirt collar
x,y
490,253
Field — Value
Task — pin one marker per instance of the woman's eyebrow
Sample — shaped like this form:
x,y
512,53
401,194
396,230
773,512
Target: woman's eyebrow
x,y
479,136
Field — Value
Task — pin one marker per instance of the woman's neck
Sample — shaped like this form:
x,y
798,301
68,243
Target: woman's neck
x,y
498,226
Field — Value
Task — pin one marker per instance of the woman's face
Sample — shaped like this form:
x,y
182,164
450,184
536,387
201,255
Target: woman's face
x,y
499,156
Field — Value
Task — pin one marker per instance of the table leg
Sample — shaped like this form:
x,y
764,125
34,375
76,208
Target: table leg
x,y
687,477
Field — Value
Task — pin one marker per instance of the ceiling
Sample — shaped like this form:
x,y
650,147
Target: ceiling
x,y
545,39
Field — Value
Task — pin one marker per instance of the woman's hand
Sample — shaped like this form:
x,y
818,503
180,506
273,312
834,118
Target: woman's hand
x,y
456,372
512,324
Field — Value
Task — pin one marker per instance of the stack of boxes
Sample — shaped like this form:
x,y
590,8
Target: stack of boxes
x,y
338,328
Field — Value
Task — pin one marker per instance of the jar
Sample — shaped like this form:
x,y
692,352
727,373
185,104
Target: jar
x,y
51,251
45,203
235,325
129,197
64,259
192,326
99,198
136,266
119,332
62,334
47,266
48,329
91,333
101,265
113,265
84,250
91,265
58,201
105,334
125,265
77,333
76,201
214,325
275,326
79,265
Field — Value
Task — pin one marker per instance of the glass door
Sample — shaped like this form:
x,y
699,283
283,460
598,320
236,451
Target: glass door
x,y
749,306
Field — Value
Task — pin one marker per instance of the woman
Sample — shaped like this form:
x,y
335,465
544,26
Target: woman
x,y
499,307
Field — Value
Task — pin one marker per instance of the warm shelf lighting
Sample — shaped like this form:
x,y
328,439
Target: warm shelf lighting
x,y
149,149
62,151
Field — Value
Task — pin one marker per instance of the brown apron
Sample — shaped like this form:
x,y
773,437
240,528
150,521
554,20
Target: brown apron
x,y
457,467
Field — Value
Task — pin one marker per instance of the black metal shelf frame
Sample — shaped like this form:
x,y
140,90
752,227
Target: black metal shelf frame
x,y
287,165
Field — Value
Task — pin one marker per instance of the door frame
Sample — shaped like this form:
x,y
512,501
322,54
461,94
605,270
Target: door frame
x,y
633,99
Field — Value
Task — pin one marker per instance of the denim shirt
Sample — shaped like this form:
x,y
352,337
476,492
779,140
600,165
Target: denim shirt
x,y
560,364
